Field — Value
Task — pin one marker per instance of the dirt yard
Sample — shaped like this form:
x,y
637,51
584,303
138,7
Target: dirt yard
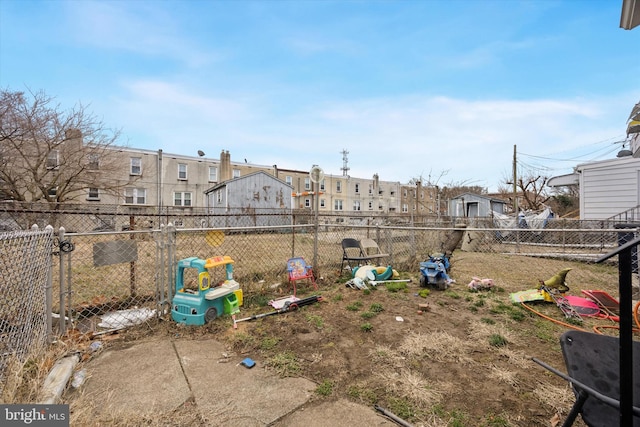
x,y
465,360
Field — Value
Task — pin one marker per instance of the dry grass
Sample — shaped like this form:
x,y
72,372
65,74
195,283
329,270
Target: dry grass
x,y
438,346
410,385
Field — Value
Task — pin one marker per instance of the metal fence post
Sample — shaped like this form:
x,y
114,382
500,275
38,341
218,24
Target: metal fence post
x,y
160,270
49,288
171,254
62,325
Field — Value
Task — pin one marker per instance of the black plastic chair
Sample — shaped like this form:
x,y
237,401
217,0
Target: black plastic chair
x,y
593,369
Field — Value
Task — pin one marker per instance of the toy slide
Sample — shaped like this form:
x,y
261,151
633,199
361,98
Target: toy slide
x,y
604,300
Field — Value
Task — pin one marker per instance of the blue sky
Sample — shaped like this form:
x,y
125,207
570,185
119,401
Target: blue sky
x,y
441,90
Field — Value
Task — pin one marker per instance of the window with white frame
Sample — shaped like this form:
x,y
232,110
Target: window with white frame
x,y
370,188
405,192
236,173
136,166
370,205
213,174
338,186
52,192
93,194
219,196
357,187
322,185
337,205
307,203
182,171
405,208
93,161
53,159
288,179
135,196
182,198
322,203
356,205
307,183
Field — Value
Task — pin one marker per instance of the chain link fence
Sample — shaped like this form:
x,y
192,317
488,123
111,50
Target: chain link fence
x,y
109,279
114,279
25,295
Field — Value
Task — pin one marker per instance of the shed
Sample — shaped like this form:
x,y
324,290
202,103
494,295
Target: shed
x,y
257,199
471,205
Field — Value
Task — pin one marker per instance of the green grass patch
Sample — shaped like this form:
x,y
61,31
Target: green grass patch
x,y
403,408
495,421
424,292
366,327
376,308
452,294
315,320
362,394
368,315
516,315
497,340
285,364
396,286
458,418
325,388
269,343
355,306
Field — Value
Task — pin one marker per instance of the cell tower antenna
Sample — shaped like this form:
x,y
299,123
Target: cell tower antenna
x,y
345,162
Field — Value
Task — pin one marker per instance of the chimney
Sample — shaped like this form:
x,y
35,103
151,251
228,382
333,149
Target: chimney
x,y
73,139
225,166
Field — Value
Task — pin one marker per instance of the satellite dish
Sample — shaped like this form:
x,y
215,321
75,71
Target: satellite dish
x,y
200,153
316,174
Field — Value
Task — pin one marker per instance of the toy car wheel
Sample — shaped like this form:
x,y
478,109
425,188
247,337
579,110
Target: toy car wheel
x,y
423,281
210,314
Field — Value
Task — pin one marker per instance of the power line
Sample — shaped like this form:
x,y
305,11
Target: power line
x,y
580,157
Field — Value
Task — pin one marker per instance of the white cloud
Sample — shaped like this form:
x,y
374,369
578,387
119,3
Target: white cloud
x,y
397,137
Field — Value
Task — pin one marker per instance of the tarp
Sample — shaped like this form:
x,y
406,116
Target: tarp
x,y
524,220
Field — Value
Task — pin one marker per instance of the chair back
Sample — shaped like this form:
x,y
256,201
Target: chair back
x,y
370,247
593,359
297,268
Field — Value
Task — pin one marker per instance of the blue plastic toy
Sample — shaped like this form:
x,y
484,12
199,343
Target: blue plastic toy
x,y
434,272
204,304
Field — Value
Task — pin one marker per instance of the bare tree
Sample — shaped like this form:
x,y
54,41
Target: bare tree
x,y
51,155
531,190
565,201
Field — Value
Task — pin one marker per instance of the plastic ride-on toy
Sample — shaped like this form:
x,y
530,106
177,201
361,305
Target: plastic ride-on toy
x,y
202,305
434,272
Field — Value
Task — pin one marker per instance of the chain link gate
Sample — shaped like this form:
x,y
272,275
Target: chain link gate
x,y
110,281
25,297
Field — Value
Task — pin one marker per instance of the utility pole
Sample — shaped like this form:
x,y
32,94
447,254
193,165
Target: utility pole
x,y
515,182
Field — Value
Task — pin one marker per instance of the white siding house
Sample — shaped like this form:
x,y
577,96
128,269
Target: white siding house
x,y
608,187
